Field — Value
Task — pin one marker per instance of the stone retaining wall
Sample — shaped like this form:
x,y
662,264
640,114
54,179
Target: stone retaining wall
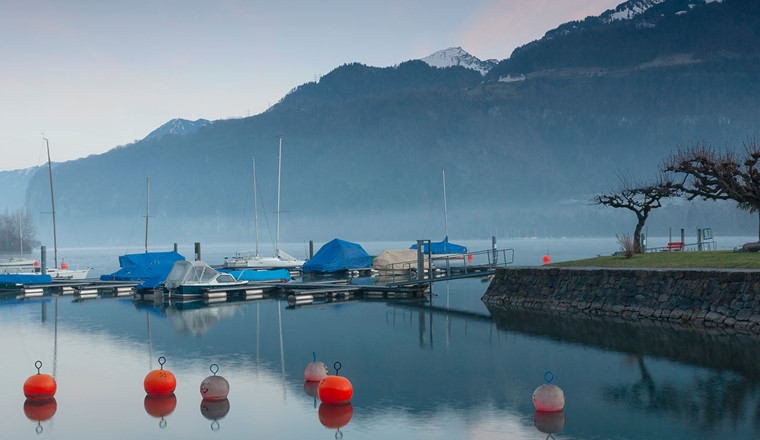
x,y
700,297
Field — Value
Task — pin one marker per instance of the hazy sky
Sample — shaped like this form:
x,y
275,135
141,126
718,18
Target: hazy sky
x,y
95,74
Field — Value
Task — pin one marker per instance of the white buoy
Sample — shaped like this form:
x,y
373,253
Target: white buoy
x,y
548,397
215,387
315,370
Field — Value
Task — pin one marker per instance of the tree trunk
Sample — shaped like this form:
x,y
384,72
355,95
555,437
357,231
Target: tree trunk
x,y
637,235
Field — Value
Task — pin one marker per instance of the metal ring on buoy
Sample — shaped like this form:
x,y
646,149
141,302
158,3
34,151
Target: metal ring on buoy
x,y
162,361
550,378
212,369
38,365
337,365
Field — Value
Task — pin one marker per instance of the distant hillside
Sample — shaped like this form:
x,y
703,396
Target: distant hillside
x,y
363,148
669,32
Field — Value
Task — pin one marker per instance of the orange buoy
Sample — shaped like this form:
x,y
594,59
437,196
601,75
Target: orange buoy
x,y
215,387
335,389
160,406
64,265
36,263
39,386
548,397
547,259
160,382
40,410
335,416
470,258
315,371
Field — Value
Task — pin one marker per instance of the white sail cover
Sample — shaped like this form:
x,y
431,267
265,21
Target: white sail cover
x,y
190,272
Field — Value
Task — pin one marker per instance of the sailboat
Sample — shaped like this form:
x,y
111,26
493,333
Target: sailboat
x,y
62,273
281,259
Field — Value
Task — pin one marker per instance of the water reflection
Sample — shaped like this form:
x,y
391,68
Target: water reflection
x,y
417,371
159,406
40,410
215,410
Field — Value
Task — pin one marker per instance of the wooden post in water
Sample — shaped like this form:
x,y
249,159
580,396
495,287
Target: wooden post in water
x,y
43,260
311,249
683,236
197,251
494,251
420,259
175,247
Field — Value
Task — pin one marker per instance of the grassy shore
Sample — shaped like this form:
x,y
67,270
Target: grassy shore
x,y
688,259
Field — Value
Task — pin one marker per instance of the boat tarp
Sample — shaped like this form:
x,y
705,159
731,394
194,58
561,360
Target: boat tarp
x,y
338,255
259,275
24,279
151,268
443,247
397,261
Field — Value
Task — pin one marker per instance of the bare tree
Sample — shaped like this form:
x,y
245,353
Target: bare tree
x,y
720,176
17,232
641,199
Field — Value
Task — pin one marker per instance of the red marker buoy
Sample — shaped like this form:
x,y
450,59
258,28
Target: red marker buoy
x,y
335,389
547,260
215,387
40,386
160,382
64,265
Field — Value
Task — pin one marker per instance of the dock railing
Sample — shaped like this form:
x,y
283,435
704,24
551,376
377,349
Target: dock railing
x,y
438,266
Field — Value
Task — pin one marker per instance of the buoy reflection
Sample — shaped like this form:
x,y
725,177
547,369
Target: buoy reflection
x,y
215,410
40,410
160,406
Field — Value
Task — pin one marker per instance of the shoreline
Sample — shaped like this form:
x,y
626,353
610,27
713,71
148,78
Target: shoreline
x,y
700,298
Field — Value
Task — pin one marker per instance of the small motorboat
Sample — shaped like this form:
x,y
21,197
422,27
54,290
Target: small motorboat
x,y
192,278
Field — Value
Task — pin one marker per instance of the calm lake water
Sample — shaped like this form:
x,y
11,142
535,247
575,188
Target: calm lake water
x,y
455,370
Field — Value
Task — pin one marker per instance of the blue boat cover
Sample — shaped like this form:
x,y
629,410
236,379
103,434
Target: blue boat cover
x,y
259,275
151,268
443,247
13,279
338,255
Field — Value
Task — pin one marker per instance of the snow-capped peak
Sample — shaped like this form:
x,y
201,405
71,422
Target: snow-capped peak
x,y
178,126
634,8
456,56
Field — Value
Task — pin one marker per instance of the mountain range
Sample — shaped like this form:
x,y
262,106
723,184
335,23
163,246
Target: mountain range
x,y
524,142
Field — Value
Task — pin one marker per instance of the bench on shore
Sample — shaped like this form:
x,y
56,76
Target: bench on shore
x,y
674,246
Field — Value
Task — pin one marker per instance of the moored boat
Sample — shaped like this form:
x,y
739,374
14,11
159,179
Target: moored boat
x,y
189,279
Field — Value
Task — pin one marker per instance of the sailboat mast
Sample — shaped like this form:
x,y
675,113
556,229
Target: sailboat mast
x,y
445,208
255,207
52,203
279,174
147,214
